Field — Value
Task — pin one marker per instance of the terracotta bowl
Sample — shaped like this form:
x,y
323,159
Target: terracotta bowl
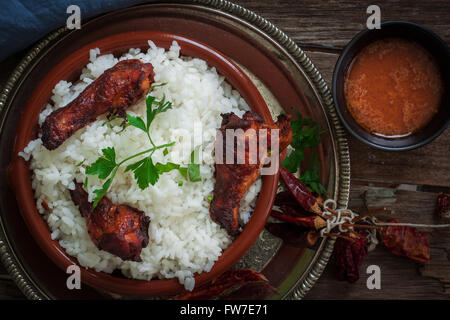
x,y
69,69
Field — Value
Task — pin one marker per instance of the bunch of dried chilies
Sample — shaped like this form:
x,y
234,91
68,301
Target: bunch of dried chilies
x,y
304,218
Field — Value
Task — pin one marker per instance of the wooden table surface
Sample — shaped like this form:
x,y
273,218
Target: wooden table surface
x,y
406,183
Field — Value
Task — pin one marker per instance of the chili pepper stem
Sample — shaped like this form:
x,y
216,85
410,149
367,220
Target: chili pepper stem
x,y
316,209
319,223
343,214
337,235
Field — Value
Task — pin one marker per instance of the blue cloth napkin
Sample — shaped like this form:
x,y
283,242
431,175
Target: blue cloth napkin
x,y
23,22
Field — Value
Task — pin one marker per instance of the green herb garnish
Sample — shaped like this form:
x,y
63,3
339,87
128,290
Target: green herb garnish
x,y
193,167
144,171
123,124
104,165
110,119
138,122
305,134
80,163
183,171
311,179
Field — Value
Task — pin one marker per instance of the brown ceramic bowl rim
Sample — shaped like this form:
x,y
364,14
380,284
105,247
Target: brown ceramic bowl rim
x,y
20,175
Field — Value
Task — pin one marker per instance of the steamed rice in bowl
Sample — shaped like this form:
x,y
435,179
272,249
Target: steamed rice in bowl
x,y
183,240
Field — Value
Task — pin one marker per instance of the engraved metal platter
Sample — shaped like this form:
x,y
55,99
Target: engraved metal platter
x,y
284,75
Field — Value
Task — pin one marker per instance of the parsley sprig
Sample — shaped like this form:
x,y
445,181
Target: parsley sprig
x,y
305,134
144,170
193,168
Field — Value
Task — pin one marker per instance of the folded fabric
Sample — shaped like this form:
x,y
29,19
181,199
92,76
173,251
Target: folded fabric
x,y
23,22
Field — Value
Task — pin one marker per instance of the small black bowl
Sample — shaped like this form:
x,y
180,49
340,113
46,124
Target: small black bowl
x,y
399,29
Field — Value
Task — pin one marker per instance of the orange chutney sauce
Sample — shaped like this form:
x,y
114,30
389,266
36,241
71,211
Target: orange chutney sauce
x,y
393,87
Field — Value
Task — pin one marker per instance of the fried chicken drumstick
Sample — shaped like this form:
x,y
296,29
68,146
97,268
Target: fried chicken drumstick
x,y
117,229
115,90
233,180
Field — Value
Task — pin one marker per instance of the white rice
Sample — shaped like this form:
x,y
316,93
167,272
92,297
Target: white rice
x,y
183,238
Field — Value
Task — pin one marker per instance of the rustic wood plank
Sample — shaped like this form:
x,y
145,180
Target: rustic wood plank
x,y
336,22
417,207
399,280
400,277
427,165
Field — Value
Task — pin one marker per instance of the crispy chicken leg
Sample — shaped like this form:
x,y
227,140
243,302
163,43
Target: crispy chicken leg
x,y
233,180
115,90
117,229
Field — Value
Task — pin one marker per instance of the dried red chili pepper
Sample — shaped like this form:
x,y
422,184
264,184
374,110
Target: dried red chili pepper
x,y
348,256
285,198
294,211
310,222
226,281
406,242
293,235
288,205
443,206
300,192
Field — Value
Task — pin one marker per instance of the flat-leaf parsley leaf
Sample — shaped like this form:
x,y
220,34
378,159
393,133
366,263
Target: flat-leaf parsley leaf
x,y
305,134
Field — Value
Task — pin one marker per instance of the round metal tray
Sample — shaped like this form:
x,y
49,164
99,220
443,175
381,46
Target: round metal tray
x,y
280,69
